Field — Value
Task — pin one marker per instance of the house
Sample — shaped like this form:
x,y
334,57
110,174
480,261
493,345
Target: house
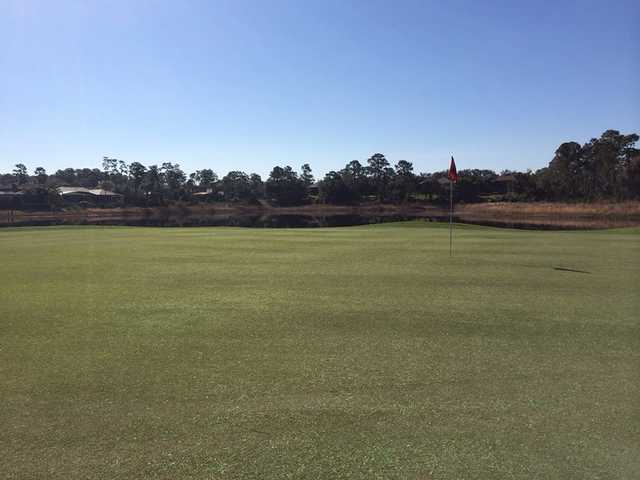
x,y
208,195
94,196
208,191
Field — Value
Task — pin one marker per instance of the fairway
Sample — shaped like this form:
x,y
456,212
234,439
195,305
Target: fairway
x,y
344,353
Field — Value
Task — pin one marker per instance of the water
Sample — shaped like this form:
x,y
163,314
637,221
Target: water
x,y
212,220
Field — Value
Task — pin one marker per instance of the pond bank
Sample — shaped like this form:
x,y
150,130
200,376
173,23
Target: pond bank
x,y
514,215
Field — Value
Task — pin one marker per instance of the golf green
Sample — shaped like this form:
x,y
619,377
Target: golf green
x,y
345,353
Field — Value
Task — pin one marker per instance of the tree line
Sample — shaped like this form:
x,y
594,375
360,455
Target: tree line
x,y
605,168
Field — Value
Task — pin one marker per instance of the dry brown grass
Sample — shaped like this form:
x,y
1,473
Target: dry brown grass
x,y
549,208
560,215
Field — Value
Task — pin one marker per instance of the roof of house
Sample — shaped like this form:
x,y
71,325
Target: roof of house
x,y
89,191
102,191
208,191
66,190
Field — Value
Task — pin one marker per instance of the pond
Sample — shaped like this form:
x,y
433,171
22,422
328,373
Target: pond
x,y
208,220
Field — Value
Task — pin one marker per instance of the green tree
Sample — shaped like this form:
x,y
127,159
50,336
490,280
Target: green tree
x,y
110,166
334,189
306,176
473,183
123,168
152,185
257,186
566,175
632,177
354,176
379,174
67,176
355,169
205,178
606,159
136,173
285,187
404,168
20,174
599,169
174,179
376,165
89,177
404,181
41,175
236,186
115,174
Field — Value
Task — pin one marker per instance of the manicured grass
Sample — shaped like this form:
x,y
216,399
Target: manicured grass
x,y
361,352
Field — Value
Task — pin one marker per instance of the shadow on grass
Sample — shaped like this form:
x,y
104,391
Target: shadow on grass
x,y
562,269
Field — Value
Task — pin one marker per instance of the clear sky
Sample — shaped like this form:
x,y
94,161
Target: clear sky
x,y
251,84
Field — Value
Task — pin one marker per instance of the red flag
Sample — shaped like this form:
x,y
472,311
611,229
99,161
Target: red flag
x,y
453,172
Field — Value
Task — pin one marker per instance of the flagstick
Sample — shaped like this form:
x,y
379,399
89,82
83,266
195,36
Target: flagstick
x,y
450,218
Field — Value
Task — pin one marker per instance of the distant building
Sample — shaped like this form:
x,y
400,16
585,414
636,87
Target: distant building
x,y
208,191
94,196
208,195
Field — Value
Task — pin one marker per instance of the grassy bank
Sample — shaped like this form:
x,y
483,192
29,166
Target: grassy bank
x,y
361,352
559,215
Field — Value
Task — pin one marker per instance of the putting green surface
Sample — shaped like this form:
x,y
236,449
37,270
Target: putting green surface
x,y
354,353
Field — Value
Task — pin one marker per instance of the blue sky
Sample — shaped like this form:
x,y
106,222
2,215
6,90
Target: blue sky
x,y
251,84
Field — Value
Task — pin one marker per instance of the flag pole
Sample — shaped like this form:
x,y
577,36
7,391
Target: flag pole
x,y
450,217
453,178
